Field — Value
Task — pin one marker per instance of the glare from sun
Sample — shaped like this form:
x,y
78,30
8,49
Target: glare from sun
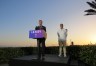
x,y
93,39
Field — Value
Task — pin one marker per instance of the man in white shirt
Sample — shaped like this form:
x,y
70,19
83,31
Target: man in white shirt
x,y
62,36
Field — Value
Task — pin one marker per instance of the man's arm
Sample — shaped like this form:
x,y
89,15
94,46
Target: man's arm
x,y
45,34
58,34
44,28
66,32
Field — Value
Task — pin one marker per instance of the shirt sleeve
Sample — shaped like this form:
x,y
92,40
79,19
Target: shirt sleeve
x,y
66,32
45,29
58,34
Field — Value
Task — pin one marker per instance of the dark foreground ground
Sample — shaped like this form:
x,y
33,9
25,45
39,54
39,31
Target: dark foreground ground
x,y
50,60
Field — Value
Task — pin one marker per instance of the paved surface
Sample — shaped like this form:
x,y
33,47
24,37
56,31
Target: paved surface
x,y
4,64
48,58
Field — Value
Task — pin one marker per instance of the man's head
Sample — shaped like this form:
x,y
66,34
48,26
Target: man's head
x,y
40,22
61,26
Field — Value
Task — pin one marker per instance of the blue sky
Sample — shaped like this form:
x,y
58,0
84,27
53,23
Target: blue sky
x,y
17,17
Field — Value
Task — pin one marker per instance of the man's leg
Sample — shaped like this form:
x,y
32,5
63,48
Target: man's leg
x,y
43,49
60,48
39,49
64,48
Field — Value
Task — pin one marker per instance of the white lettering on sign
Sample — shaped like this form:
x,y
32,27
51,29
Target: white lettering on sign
x,y
32,31
37,31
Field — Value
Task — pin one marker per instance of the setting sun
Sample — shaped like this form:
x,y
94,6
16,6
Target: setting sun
x,y
93,39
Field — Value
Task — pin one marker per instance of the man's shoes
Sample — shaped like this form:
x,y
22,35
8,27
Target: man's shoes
x,y
59,55
65,56
43,58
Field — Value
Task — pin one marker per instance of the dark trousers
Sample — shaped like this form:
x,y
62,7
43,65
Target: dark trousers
x,y
41,47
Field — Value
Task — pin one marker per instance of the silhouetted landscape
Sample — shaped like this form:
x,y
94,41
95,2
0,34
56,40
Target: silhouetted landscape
x,y
84,53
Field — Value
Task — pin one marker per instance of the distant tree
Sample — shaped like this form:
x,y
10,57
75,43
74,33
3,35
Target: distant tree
x,y
91,11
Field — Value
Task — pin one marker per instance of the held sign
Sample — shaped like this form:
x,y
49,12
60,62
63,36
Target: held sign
x,y
36,34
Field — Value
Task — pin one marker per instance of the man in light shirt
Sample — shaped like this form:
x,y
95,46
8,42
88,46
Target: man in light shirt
x,y
62,36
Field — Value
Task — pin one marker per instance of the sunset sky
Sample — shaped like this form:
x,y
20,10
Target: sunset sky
x,y
17,17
